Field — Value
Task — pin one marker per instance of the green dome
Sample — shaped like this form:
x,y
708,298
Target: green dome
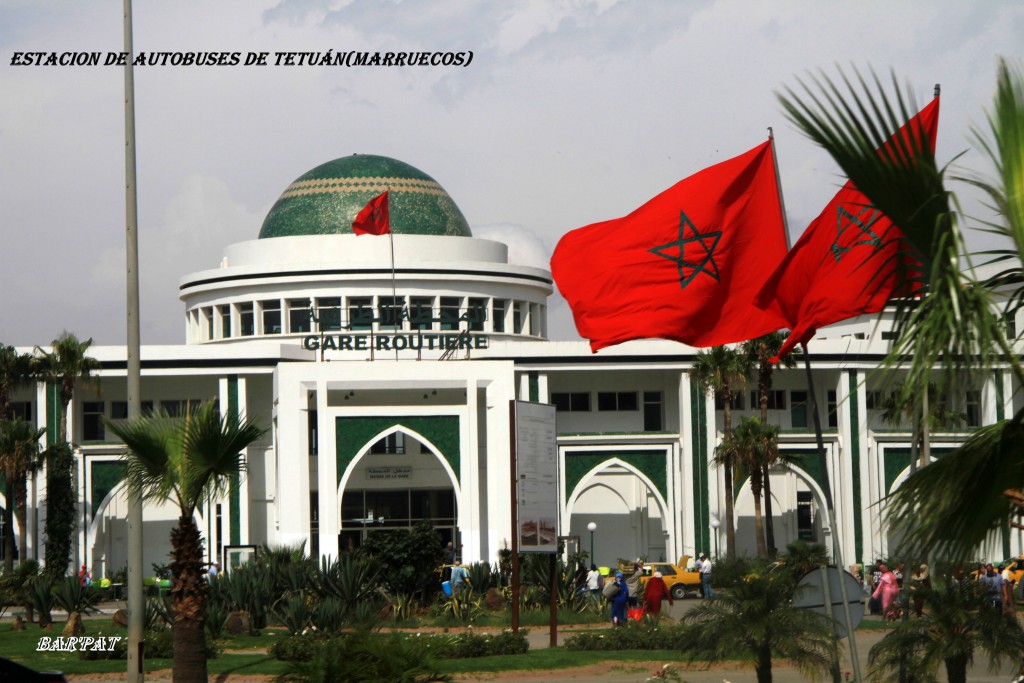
x,y
326,200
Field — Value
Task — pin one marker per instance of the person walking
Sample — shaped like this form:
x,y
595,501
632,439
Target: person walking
x,y
654,592
594,580
633,583
886,593
704,567
460,579
920,582
619,601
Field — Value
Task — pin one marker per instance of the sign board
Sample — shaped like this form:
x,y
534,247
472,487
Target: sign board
x,y
810,594
389,472
536,477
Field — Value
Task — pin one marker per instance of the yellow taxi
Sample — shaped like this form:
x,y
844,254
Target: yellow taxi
x,y
677,577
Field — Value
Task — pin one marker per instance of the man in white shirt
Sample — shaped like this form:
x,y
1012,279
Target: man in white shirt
x,y
704,567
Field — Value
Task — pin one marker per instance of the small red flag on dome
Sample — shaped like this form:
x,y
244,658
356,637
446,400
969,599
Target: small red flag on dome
x,y
373,219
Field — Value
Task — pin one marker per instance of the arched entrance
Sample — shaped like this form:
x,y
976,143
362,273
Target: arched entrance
x,y
107,539
396,481
631,515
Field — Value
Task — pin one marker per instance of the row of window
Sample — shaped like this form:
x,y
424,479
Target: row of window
x,y
93,413
366,313
969,416
614,401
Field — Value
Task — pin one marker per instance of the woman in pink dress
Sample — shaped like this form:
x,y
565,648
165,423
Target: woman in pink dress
x,y
886,592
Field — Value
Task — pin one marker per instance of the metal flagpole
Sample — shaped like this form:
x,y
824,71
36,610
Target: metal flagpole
x,y
136,605
396,319
837,552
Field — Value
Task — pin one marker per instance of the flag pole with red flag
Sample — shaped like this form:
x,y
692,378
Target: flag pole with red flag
x,y
375,219
849,261
684,266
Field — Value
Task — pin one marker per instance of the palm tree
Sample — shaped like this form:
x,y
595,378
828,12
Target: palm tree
x,y
723,371
752,445
19,457
65,364
184,460
756,621
898,409
761,352
15,370
958,620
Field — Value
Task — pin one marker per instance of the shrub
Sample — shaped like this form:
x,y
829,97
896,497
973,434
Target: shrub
x,y
468,645
40,597
633,636
361,658
728,573
297,648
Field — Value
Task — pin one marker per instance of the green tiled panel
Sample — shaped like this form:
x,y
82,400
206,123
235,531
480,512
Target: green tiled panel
x,y
106,474
699,436
858,522
653,464
327,199
898,459
353,433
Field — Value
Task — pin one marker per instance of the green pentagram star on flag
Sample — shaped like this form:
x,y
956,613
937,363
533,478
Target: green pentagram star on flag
x,y
676,252
844,219
686,265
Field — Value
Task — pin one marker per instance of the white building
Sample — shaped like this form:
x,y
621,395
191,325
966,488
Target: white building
x,y
390,402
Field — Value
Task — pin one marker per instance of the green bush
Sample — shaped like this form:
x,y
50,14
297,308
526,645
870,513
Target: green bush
x,y
297,648
633,636
362,658
727,573
469,645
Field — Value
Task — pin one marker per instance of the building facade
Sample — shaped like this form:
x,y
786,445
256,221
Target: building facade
x,y
383,368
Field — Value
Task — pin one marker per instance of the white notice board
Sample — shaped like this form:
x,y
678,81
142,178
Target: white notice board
x,y
536,477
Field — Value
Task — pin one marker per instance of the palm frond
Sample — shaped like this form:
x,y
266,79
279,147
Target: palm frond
x,y
952,327
949,508
154,446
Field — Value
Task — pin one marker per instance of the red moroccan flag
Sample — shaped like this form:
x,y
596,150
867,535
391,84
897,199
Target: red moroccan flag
x,y
851,260
373,219
686,265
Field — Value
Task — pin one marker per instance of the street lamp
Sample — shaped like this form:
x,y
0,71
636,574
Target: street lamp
x,y
714,525
592,527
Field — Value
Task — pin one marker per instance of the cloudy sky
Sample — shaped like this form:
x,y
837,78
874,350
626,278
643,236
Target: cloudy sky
x,y
571,111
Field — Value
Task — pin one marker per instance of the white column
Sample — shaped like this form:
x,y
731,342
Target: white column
x,y
499,484
471,507
292,495
687,495
327,475
37,516
243,483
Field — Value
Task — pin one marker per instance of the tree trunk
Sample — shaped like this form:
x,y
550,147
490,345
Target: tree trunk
x,y
956,669
764,664
769,523
9,526
764,383
730,526
188,601
21,511
756,489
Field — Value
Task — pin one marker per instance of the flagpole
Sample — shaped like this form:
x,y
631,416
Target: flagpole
x,y
135,666
778,186
394,296
837,551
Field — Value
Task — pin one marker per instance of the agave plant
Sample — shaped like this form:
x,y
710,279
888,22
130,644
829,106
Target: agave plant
x,y
72,596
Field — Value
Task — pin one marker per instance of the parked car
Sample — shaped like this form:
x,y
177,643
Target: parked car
x,y
12,671
677,577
